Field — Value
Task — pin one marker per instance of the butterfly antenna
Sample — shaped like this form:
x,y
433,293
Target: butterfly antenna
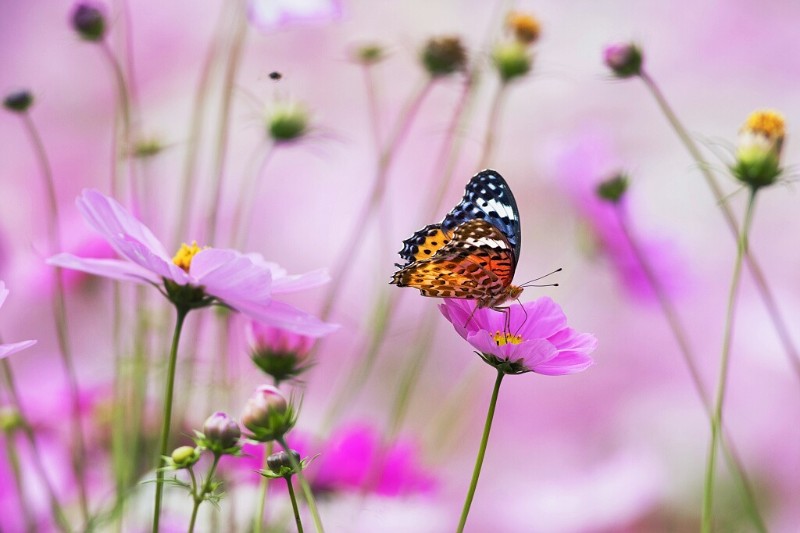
x,y
531,284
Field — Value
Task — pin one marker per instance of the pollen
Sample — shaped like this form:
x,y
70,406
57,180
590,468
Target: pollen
x,y
767,123
502,338
185,255
524,26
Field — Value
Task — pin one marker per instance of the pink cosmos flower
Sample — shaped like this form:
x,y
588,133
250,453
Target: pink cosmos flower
x,y
531,337
8,349
269,14
195,277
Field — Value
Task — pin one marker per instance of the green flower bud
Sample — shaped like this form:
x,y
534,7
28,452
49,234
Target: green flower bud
x,y
444,55
512,60
625,59
281,464
220,434
10,420
18,101
758,153
88,20
184,457
613,189
287,122
369,54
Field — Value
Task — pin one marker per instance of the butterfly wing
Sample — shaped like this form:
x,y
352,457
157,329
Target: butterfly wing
x,y
476,263
488,197
424,243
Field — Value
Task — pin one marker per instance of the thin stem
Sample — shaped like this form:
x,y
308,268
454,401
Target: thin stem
x,y
231,69
682,338
755,270
199,497
167,417
294,504
55,506
492,125
716,419
487,427
13,461
243,213
375,198
258,518
60,313
372,105
125,109
309,496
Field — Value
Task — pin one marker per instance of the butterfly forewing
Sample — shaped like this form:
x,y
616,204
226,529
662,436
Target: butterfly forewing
x,y
424,243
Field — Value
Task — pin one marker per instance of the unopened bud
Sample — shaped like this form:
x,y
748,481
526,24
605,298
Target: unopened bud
x,y
613,189
89,21
221,433
18,101
444,55
512,60
625,59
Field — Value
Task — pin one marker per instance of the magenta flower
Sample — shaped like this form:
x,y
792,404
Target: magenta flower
x,y
195,277
532,337
269,14
8,349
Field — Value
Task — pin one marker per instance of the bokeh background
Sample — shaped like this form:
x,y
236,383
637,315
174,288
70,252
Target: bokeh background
x,y
620,447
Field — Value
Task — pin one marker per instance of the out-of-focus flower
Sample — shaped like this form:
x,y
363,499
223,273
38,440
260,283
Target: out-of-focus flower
x,y
512,60
18,101
281,354
531,337
442,56
287,122
268,414
524,27
221,434
613,189
758,153
624,59
579,169
369,54
89,21
8,349
147,147
270,14
195,277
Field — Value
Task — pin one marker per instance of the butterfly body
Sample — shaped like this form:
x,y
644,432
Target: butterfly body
x,y
473,252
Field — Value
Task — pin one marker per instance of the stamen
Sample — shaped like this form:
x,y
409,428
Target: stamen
x,y
768,123
502,338
186,253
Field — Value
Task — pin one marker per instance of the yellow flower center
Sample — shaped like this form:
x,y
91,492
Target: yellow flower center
x,y
765,122
185,254
525,27
502,338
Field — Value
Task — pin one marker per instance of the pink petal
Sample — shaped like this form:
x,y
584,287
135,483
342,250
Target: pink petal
x,y
565,363
539,320
8,349
285,316
113,221
109,268
299,282
232,277
3,293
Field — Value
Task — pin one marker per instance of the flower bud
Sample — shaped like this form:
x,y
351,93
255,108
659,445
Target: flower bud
x,y
184,457
444,55
145,148
221,433
758,153
281,354
10,420
524,27
18,101
287,122
512,60
369,54
88,20
281,464
613,189
268,414
625,59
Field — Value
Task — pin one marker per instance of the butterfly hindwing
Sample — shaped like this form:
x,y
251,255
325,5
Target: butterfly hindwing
x,y
424,243
488,197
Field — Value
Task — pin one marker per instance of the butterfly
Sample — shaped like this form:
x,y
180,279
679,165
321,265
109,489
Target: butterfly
x,y
473,252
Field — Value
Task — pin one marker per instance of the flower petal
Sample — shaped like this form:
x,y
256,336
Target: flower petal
x,y
109,268
285,316
299,282
232,277
8,349
3,293
565,363
538,319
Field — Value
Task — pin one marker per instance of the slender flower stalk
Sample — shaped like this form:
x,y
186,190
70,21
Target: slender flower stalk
x,y
293,499
492,125
123,150
716,418
682,338
60,311
199,496
56,508
263,488
760,280
12,454
166,421
476,472
309,496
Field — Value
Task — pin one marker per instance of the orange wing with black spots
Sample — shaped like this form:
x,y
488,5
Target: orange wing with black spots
x,y
424,243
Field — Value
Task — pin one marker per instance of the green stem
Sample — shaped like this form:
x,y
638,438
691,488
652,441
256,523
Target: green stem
x,y
55,506
125,109
258,519
167,417
60,313
294,504
682,338
13,461
309,496
481,452
716,418
492,125
755,269
206,488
